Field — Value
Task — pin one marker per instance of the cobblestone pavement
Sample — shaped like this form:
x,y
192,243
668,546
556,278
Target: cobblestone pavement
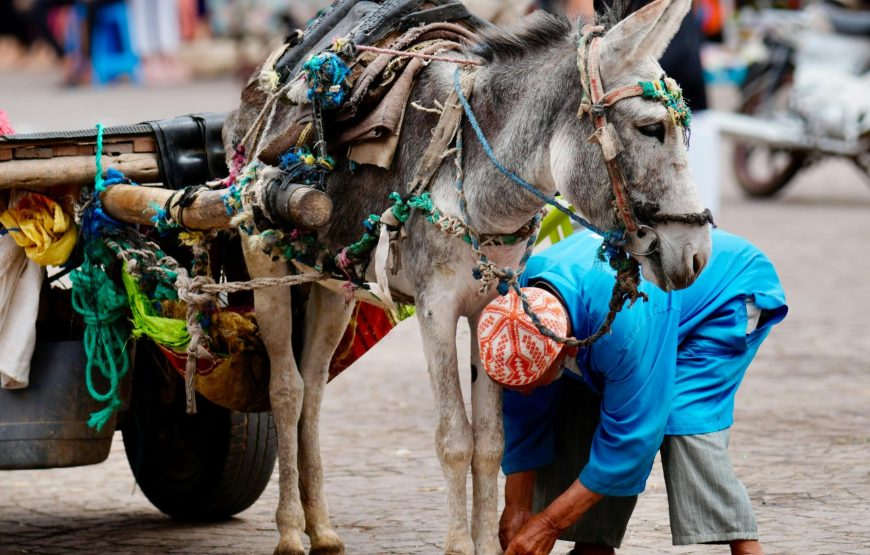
x,y
801,442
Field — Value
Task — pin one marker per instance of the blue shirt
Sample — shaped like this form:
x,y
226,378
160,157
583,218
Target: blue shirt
x,y
670,365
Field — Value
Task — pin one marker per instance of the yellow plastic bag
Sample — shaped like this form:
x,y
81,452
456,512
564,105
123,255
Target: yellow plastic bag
x,y
41,227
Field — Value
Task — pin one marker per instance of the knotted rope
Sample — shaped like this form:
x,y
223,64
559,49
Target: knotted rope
x,y
103,304
200,291
649,212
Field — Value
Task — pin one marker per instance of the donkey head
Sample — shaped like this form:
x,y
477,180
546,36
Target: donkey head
x,y
653,157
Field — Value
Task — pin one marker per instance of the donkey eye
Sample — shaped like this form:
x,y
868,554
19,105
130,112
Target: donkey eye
x,y
656,130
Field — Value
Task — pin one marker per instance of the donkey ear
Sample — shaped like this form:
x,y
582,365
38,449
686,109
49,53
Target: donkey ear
x,y
645,32
666,27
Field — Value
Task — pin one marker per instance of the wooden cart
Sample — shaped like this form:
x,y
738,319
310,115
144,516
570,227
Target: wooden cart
x,y
209,465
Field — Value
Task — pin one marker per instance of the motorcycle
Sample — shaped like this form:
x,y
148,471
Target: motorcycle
x,y
807,99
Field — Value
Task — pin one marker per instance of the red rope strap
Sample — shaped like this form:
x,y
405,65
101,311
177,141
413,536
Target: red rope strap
x,y
460,61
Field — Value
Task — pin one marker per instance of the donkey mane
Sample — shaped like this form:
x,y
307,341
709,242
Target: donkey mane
x,y
537,32
540,31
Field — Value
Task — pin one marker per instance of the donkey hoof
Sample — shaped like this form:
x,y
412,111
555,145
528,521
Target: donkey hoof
x,y
459,546
489,548
326,542
289,547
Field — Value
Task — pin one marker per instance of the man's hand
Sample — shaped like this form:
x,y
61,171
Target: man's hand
x,y
513,518
539,534
537,537
518,490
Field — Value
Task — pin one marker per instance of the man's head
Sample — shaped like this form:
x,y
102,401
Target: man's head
x,y
513,352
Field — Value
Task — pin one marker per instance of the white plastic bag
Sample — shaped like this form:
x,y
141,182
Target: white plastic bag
x,y
20,283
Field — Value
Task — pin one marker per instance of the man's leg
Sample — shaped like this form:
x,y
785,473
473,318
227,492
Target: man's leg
x,y
707,503
746,547
602,527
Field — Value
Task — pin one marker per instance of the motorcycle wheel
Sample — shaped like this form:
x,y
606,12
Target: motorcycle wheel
x,y
762,171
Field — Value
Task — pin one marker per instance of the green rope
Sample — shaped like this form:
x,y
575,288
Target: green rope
x,y
103,307
98,179
670,95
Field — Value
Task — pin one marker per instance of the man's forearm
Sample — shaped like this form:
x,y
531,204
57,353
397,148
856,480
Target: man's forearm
x,y
519,488
571,505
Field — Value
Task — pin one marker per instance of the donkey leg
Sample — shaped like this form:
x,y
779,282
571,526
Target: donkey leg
x,y
453,436
326,317
488,447
286,389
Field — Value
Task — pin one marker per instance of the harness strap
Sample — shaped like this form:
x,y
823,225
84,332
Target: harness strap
x,y
621,93
599,120
442,136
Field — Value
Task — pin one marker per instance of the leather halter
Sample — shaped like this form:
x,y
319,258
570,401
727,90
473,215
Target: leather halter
x,y
595,101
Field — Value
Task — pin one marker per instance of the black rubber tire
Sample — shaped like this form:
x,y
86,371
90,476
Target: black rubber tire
x,y
750,183
204,467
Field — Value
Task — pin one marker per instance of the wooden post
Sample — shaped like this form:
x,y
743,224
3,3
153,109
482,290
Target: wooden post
x,y
138,205
299,205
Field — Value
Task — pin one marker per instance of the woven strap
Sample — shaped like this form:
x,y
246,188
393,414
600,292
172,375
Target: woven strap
x,y
442,136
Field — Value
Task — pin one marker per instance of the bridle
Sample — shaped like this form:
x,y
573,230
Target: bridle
x,y
595,102
614,249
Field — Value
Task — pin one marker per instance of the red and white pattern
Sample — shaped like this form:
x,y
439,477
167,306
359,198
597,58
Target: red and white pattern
x,y
512,350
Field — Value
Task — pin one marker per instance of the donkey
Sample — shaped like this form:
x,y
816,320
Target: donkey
x,y
526,98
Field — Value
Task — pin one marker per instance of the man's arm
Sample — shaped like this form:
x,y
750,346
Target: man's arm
x,y
636,398
528,426
635,403
519,488
539,534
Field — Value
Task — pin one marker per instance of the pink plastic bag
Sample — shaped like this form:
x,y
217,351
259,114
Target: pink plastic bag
x,y
5,126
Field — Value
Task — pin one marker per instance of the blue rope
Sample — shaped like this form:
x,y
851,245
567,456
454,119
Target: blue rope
x,y
507,280
326,75
508,276
610,237
95,218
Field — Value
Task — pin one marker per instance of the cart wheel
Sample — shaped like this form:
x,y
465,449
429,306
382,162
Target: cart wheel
x,y
207,466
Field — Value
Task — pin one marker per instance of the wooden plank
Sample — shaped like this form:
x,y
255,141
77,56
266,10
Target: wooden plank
x,y
29,153
5,154
75,171
304,206
117,148
66,150
144,144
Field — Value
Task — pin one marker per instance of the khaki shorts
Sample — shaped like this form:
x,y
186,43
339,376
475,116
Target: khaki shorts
x,y
706,501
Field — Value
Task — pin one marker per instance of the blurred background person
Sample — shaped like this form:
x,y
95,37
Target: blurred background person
x,y
14,40
156,30
501,12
